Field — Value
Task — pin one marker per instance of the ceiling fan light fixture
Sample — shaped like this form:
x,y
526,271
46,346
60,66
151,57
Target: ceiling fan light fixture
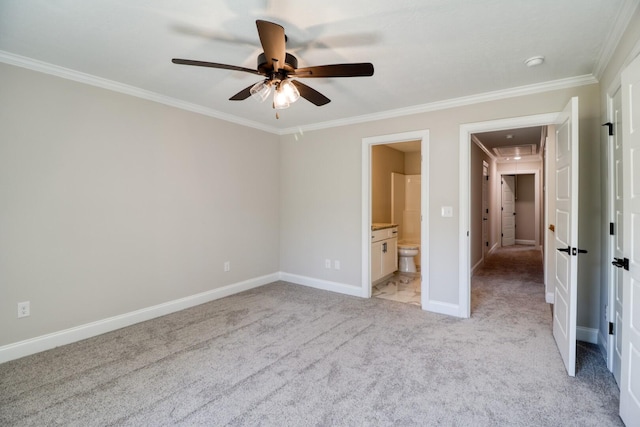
x,y
289,90
261,90
280,99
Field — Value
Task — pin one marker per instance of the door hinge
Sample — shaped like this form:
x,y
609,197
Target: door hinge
x,y
611,229
487,177
486,244
487,210
611,330
610,126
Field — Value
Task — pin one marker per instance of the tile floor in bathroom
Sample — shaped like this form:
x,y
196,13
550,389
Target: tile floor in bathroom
x,y
401,287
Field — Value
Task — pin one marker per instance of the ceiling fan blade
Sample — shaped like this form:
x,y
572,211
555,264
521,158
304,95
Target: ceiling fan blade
x,y
311,94
273,43
360,69
243,94
214,65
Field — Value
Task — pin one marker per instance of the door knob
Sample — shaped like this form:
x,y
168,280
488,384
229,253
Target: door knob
x,y
567,249
621,263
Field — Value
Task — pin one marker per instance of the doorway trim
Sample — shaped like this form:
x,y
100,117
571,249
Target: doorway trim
x,y
537,197
464,245
367,144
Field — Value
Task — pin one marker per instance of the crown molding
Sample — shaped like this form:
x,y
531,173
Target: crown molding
x,y
479,143
625,13
567,83
66,73
69,74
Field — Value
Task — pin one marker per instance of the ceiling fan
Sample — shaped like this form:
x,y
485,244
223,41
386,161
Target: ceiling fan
x,y
278,67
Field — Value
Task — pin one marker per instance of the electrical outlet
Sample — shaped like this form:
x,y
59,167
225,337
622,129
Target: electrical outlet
x,y
227,266
327,263
336,264
24,309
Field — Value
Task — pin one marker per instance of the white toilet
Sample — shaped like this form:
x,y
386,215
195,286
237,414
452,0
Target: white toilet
x,y
406,254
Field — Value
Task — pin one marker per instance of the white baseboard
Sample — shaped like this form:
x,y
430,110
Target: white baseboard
x,y
476,267
88,330
442,308
550,297
325,285
493,248
603,345
589,335
525,242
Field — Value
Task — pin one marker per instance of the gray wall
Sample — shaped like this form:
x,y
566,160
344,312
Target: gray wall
x,y
110,203
332,196
525,207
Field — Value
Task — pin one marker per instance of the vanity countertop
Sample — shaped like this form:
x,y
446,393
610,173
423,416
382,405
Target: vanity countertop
x,y
381,226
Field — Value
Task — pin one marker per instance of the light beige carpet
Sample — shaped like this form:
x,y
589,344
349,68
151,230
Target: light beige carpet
x,y
288,355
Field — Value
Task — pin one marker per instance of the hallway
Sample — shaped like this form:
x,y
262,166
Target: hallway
x,y
512,277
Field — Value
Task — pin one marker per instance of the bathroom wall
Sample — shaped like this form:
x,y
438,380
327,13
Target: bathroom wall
x,y
384,161
412,163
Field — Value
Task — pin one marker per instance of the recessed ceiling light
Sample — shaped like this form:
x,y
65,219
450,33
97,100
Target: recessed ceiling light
x,y
509,136
517,158
534,61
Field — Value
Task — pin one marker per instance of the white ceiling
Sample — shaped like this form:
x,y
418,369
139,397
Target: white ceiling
x,y
423,51
503,145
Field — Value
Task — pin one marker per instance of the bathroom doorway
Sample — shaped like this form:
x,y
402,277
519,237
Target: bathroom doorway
x,y
410,151
396,193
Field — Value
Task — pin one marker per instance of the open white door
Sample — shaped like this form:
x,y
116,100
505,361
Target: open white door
x,y
617,185
566,235
630,369
508,211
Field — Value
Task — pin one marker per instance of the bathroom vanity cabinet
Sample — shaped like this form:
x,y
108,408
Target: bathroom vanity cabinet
x,y
384,252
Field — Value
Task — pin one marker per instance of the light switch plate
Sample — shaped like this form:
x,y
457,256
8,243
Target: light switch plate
x,y
447,211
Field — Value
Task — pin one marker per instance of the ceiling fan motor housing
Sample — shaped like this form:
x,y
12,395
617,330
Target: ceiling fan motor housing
x,y
290,64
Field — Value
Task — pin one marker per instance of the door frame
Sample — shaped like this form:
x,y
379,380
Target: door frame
x,y
367,144
502,205
610,241
537,197
464,245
